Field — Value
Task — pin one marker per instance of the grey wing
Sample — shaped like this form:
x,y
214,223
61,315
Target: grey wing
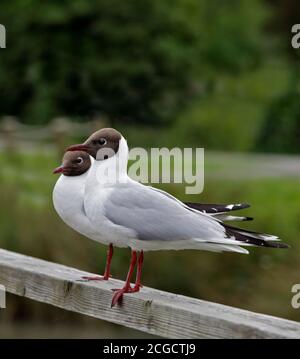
x,y
155,216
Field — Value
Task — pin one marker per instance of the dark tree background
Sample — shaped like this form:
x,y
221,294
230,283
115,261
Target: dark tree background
x,y
128,60
204,67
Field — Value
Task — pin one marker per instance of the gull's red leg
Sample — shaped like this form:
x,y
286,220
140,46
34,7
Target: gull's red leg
x,y
138,284
126,289
106,274
110,253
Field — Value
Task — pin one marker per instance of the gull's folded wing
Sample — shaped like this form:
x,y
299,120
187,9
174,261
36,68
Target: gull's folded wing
x,y
155,216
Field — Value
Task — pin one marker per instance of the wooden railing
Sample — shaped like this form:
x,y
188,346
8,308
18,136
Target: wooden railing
x,y
152,311
14,134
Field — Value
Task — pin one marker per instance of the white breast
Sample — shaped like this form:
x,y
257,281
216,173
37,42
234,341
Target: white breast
x,y
68,196
94,200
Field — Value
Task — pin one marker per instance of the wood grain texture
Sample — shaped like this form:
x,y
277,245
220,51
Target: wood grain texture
x,y
152,311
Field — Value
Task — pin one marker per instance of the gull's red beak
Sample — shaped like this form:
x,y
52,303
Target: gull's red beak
x,y
81,147
59,169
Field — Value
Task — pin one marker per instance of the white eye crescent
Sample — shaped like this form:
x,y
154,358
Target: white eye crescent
x,y
79,160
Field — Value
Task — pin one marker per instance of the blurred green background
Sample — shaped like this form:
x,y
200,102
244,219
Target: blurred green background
x,y
215,74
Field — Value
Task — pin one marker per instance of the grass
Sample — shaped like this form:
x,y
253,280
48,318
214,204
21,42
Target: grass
x,y
261,281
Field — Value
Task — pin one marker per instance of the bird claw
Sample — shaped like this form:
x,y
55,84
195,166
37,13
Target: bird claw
x,y
118,295
128,290
136,288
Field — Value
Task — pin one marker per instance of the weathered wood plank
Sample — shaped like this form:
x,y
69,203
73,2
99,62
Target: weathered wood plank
x,y
151,311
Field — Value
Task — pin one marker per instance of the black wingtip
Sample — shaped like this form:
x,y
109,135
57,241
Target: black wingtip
x,y
216,208
253,238
275,244
241,206
248,219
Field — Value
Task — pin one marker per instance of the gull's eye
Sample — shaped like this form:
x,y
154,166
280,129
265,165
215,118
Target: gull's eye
x,y
79,160
102,141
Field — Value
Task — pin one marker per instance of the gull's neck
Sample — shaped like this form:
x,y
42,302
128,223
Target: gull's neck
x,y
111,171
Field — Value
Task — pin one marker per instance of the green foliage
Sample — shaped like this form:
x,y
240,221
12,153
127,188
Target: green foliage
x,y
231,116
281,130
136,61
233,37
126,60
212,68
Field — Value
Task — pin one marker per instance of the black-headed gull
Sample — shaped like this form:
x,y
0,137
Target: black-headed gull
x,y
131,214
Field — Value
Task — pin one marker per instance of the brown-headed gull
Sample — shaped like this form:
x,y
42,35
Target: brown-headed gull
x,y
68,197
